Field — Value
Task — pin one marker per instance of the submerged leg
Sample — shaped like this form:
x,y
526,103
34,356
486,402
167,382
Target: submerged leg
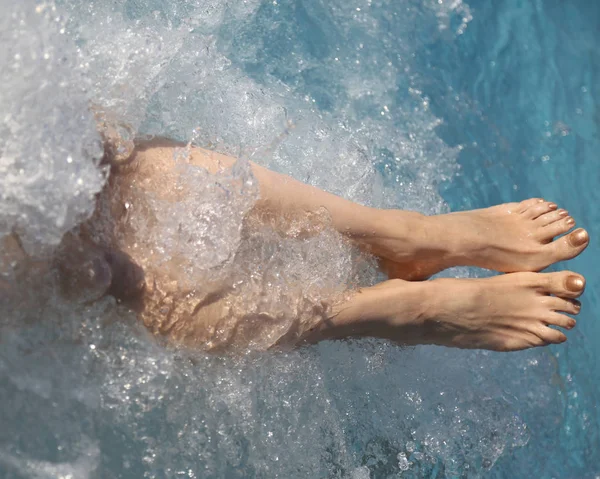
x,y
502,313
507,238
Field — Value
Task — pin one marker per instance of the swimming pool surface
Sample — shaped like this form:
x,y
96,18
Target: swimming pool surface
x,y
428,105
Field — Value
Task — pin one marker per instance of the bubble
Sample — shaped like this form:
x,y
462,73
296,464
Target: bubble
x,y
46,119
239,78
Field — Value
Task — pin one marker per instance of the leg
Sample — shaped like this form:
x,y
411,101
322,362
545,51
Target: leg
x,y
506,238
503,313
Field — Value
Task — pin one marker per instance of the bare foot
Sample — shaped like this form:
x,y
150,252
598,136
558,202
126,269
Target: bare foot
x,y
504,313
507,238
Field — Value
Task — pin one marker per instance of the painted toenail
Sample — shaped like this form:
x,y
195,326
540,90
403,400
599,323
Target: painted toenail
x,y
570,221
579,237
563,213
553,206
575,284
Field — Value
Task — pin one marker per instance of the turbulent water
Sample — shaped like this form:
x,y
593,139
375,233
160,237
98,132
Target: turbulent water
x,y
329,92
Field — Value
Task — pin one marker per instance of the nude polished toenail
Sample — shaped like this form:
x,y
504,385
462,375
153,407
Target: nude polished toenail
x,y
553,206
574,283
570,221
563,212
579,237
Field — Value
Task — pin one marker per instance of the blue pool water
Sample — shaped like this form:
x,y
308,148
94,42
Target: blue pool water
x,y
428,105
528,80
528,77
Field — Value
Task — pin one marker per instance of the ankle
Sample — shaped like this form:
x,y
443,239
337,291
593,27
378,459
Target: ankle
x,y
413,236
451,303
448,239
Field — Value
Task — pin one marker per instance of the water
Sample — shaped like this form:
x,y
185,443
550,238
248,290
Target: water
x,y
421,105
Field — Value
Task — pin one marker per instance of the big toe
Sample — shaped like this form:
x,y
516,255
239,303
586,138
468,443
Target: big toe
x,y
564,284
569,245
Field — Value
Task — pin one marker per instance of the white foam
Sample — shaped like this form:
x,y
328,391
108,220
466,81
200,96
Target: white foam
x,y
305,413
49,148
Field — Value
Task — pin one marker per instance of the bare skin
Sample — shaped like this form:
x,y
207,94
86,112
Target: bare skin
x,y
504,313
507,238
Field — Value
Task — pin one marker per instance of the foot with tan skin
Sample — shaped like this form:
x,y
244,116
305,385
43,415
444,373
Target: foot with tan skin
x,y
507,238
504,313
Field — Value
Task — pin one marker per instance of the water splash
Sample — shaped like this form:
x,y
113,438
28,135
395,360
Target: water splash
x,y
332,99
49,148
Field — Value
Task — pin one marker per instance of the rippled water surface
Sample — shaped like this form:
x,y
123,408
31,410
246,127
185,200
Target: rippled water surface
x,y
427,105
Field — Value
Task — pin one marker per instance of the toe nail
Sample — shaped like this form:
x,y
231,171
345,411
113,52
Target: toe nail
x,y
563,212
553,206
570,221
575,283
579,237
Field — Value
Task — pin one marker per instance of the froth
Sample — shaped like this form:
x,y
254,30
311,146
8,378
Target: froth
x,y
49,147
348,117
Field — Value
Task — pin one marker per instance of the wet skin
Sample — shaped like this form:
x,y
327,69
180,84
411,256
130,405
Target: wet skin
x,y
505,313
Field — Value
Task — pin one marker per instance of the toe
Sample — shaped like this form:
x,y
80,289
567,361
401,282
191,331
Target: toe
x,y
550,335
551,217
568,246
539,209
556,229
563,305
525,205
560,320
518,342
564,284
